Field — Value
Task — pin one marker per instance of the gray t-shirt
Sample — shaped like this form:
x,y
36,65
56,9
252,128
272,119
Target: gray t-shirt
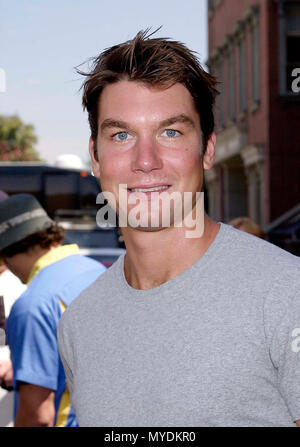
x,y
218,345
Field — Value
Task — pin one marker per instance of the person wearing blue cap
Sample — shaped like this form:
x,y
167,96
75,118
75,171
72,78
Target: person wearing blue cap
x,y
55,274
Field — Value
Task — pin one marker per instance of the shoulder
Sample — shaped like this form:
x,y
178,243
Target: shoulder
x,y
93,296
33,305
253,252
270,272
63,280
66,269
66,278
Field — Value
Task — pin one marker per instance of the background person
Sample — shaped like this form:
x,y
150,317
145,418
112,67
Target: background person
x,y
10,289
247,224
30,246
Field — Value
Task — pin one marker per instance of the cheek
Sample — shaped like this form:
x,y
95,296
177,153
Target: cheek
x,y
112,167
187,162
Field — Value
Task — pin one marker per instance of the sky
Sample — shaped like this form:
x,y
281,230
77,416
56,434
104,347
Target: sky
x,y
41,41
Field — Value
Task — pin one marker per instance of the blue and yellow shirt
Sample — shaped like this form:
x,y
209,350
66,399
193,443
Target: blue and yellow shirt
x,y
55,280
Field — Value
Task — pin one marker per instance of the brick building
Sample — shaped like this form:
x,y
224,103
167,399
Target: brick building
x,y
254,51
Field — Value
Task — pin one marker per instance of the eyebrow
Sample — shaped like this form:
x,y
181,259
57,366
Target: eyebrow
x,y
177,119
182,118
108,123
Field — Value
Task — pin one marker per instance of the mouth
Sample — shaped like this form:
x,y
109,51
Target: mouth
x,y
148,189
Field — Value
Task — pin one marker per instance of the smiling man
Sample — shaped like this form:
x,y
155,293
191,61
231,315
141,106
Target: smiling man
x,y
181,331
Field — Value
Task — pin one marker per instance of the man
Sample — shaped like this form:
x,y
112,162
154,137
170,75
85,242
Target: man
x,y
30,246
181,331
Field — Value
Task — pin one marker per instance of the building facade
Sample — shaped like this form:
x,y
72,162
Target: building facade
x,y
254,51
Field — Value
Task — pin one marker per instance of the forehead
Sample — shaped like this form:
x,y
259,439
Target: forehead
x,y
130,100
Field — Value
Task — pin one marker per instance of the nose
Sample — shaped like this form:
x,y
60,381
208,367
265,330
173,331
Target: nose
x,y
146,156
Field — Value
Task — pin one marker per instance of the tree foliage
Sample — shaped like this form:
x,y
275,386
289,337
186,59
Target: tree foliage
x,y
17,140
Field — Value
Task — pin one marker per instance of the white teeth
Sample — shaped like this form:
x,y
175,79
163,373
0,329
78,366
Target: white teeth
x,y
155,188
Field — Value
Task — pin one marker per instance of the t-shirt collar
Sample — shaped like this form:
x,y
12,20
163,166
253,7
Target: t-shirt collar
x,y
53,255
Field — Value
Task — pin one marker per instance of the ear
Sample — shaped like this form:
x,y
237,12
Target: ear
x,y
94,157
209,156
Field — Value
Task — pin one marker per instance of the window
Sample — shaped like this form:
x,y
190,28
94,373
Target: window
x,y
221,109
231,79
14,182
255,66
211,5
292,41
89,189
61,191
242,74
289,34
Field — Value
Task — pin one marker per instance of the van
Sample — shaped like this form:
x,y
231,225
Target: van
x,y
56,188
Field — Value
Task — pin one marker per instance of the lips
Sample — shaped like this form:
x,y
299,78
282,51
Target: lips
x,y
149,188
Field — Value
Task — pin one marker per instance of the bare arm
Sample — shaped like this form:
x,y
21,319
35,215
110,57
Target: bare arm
x,y
298,423
35,406
6,374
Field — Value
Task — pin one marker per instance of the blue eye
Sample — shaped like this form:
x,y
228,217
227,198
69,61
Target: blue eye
x,y
121,136
171,133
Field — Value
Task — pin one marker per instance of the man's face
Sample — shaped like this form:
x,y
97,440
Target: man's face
x,y
149,138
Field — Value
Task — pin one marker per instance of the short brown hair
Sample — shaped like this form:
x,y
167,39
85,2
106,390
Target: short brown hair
x,y
45,239
155,61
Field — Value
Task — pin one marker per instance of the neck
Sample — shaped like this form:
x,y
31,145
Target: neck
x,y
155,257
34,256
24,262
